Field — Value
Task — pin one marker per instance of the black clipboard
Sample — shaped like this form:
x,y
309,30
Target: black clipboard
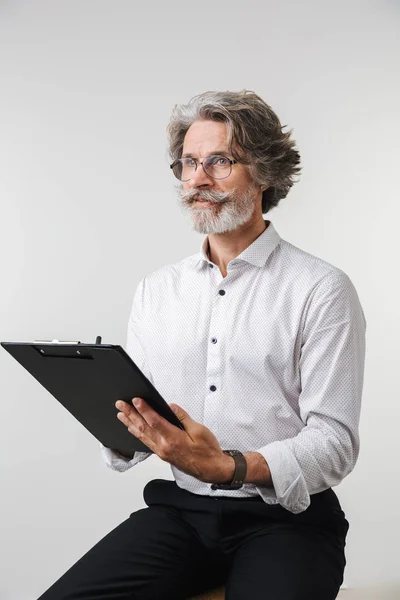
x,y
87,379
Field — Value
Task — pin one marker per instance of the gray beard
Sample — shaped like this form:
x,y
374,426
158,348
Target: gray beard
x,y
232,213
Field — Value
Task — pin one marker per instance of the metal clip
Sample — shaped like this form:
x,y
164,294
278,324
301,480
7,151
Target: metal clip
x,y
55,342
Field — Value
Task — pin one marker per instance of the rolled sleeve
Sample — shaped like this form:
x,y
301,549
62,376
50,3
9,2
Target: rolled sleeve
x,y
117,462
331,371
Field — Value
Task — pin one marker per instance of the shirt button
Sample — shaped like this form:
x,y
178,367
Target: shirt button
x,y
210,265
212,388
214,340
221,292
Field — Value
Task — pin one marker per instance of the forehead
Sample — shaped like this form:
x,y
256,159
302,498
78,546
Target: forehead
x,y
205,137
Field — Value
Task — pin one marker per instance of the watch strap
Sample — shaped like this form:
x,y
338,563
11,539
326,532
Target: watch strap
x,y
239,474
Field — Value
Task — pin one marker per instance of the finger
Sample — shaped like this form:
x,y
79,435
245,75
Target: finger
x,y
163,427
139,429
126,408
129,412
124,419
137,424
130,417
133,420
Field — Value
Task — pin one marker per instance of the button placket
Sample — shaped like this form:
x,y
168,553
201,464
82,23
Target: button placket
x,y
214,362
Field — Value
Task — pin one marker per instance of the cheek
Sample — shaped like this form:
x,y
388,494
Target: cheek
x,y
239,187
225,185
242,180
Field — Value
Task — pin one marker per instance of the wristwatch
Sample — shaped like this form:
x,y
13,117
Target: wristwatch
x,y
239,474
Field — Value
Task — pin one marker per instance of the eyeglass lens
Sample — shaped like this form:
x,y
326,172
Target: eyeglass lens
x,y
217,167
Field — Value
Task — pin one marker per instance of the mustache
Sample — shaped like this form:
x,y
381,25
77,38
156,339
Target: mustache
x,y
207,195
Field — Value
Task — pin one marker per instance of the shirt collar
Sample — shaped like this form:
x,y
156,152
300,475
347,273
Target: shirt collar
x,y
256,254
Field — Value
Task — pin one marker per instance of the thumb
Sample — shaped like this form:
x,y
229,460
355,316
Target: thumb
x,y
180,413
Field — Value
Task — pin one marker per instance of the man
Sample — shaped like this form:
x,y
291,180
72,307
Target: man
x,y
261,346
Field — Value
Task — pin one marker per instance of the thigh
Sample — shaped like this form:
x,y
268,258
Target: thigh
x,y
286,562
153,555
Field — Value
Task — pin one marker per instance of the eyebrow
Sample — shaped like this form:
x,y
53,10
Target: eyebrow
x,y
215,152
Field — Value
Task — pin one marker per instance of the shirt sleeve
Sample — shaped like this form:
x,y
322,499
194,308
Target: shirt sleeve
x,y
331,372
135,349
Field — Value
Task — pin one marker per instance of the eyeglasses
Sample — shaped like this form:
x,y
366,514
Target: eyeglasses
x,y
217,167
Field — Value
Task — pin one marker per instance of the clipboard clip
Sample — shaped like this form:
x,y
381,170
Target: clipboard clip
x,y
98,341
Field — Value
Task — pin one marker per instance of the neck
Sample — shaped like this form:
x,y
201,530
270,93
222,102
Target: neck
x,y
224,247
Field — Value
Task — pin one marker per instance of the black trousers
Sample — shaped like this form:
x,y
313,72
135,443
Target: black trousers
x,y
182,544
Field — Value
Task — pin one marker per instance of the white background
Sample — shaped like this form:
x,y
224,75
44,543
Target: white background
x,y
88,207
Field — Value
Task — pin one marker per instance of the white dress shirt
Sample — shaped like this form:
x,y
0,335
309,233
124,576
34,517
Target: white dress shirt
x,y
270,358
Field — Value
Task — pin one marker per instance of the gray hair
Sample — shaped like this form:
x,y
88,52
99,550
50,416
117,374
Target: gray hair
x,y
255,137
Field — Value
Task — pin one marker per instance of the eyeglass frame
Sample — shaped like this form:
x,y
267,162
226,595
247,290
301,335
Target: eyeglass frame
x,y
231,161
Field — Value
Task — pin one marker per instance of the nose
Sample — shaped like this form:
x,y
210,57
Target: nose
x,y
200,178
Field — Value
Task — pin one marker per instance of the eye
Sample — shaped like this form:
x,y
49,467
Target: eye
x,y
188,162
220,161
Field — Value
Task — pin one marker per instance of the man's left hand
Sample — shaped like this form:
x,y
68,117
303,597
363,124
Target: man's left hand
x,y
195,450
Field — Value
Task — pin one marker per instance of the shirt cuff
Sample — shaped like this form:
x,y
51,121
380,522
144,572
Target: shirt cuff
x,y
290,488
117,462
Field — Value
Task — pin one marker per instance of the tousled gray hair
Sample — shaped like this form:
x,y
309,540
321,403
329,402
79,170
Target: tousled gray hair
x,y
255,137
